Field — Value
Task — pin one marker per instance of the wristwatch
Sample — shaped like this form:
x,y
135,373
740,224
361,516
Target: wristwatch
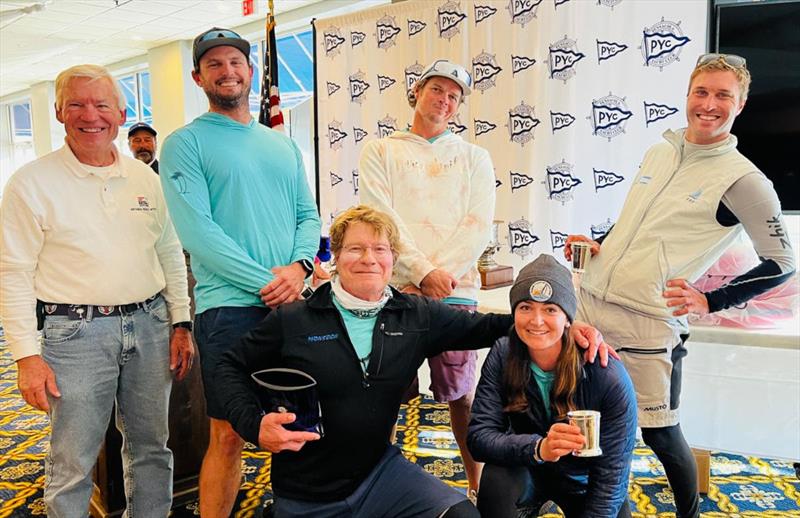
x,y
185,325
307,265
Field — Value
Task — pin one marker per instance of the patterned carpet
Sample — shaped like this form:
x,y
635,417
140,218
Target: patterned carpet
x,y
741,487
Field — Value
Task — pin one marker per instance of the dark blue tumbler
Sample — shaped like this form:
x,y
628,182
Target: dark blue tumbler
x,y
294,391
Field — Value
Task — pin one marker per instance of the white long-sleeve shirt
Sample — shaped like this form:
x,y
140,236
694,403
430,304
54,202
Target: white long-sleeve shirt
x,y
76,234
441,194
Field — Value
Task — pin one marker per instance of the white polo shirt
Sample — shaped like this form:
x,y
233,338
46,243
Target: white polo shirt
x,y
77,234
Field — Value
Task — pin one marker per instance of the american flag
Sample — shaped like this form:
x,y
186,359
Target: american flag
x,y
270,113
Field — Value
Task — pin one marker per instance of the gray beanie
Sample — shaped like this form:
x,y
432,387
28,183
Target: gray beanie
x,y
545,280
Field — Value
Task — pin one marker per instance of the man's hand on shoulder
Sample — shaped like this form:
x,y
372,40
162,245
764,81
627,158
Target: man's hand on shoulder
x,y
35,380
438,284
589,338
285,287
272,436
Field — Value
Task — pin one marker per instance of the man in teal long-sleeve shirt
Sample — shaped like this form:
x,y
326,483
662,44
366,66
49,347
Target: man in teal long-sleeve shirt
x,y
240,202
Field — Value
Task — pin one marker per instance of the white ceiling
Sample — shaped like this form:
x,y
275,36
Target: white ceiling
x,y
35,46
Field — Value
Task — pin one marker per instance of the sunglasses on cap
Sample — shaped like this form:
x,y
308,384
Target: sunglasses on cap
x,y
218,33
731,59
446,68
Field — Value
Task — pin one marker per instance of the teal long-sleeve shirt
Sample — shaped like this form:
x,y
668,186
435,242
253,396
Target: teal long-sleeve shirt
x,y
239,200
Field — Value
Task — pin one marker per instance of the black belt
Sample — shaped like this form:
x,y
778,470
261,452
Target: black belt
x,y
79,311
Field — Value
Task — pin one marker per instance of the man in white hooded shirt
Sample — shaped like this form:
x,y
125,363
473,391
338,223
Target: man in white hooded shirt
x,y
440,190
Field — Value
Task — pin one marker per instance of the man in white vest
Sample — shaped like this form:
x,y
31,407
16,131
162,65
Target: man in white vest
x,y
693,196
439,189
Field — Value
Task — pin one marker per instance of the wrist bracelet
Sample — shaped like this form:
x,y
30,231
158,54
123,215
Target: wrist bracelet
x,y
537,451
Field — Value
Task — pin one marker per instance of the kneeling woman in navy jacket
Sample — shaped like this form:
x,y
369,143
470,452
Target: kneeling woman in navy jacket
x,y
519,425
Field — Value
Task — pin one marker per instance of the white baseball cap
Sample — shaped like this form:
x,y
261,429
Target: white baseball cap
x,y
450,70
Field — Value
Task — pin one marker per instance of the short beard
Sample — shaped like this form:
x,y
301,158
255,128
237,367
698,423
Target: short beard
x,y
226,102
144,156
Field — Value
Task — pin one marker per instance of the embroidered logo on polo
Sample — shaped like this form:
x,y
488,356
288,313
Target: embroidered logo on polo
x,y
522,11
485,71
560,182
415,27
323,338
386,126
335,179
600,229
483,12
608,49
335,134
413,73
358,87
557,240
519,180
521,237
520,63
180,182
332,39
560,120
654,112
142,205
386,31
483,127
332,88
693,197
448,17
385,82
359,134
522,122
662,42
354,181
541,291
563,56
455,126
609,116
357,38
603,179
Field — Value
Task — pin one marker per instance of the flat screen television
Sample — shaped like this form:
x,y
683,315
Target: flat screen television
x,y
767,34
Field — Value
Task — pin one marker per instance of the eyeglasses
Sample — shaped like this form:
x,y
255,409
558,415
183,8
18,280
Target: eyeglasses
x,y
219,33
731,59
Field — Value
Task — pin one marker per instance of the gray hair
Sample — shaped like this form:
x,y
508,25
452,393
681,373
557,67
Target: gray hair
x,y
93,72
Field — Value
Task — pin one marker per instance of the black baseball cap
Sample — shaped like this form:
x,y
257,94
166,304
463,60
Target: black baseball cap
x,y
216,37
141,126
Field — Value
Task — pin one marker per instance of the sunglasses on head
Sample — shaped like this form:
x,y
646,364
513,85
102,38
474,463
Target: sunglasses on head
x,y
442,65
731,59
219,33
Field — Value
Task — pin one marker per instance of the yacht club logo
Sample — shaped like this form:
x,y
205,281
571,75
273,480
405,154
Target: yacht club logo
x,y
448,18
662,42
415,27
386,31
609,116
357,38
603,179
482,12
455,125
600,229
413,74
560,182
359,134
497,182
485,71
385,82
522,122
386,126
654,112
609,3
560,120
521,238
523,11
562,58
332,88
358,87
335,134
331,40
557,240
608,49
556,3
354,181
483,127
520,63
335,179
519,180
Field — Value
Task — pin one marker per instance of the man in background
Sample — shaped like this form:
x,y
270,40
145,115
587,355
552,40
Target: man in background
x,y
87,250
238,194
142,143
692,197
441,192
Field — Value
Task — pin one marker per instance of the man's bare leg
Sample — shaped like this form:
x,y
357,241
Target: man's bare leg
x,y
459,420
221,473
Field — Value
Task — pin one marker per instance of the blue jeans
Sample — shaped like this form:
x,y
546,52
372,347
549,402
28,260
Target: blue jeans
x,y
97,362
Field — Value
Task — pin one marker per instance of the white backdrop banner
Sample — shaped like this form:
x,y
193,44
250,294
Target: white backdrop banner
x,y
567,97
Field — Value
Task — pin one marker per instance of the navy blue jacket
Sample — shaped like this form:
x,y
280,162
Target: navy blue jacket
x,y
504,438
